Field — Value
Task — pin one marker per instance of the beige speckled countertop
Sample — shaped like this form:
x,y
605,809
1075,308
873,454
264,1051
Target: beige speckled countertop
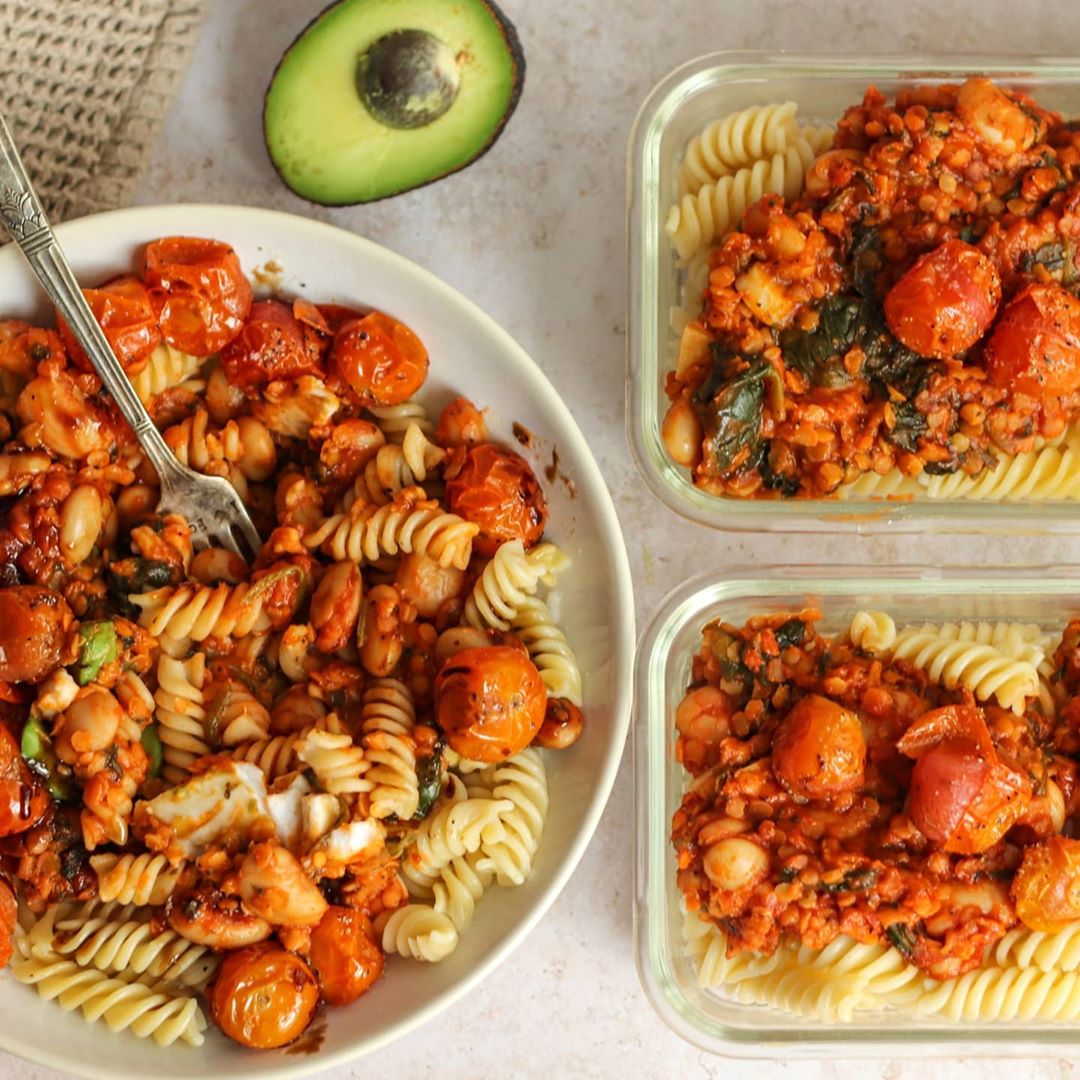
x,y
534,233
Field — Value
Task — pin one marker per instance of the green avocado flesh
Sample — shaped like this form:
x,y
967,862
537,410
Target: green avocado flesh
x,y
379,96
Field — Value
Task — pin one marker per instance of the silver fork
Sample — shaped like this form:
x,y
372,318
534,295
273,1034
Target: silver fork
x,y
209,503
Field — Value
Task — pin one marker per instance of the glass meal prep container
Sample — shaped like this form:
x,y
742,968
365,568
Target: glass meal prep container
x,y
1047,596
823,87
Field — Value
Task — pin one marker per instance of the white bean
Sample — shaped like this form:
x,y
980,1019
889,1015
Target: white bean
x,y
735,862
81,519
682,433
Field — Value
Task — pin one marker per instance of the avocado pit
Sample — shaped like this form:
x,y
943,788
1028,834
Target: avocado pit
x,y
408,79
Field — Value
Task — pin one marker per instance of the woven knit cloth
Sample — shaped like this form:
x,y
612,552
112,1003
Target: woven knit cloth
x,y
84,86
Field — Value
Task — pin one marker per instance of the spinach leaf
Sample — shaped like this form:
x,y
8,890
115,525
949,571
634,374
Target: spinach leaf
x,y
853,881
910,424
97,647
732,415
774,481
790,633
904,938
1051,255
429,781
865,257
818,354
136,575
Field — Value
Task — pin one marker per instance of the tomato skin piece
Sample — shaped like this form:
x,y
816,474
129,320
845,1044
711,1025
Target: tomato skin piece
x,y
944,783
964,796
819,749
379,359
945,302
200,292
1046,887
271,346
263,996
23,799
124,312
490,701
1035,347
497,490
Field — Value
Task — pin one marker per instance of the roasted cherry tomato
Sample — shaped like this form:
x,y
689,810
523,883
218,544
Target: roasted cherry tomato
x,y
964,796
497,490
23,798
461,423
945,302
490,702
345,955
1035,347
263,996
9,914
33,625
200,291
124,311
1046,888
23,347
380,359
272,345
819,749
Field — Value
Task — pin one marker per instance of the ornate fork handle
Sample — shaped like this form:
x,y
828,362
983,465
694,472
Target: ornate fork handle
x,y
25,220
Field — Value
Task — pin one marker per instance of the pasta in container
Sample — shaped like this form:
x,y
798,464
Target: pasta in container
x,y
241,785
858,835
792,222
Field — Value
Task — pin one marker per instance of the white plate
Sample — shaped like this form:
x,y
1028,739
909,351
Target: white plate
x,y
470,355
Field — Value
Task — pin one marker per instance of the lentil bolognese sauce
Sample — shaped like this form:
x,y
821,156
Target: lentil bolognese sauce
x,y
909,312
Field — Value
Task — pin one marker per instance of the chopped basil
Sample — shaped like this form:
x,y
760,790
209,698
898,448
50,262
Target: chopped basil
x,y
429,781
151,743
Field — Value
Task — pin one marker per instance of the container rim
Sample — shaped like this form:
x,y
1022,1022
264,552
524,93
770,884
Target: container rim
x,y
669,483
654,890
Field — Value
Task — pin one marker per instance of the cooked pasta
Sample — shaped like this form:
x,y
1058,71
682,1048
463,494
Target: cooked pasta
x,y
734,141
872,631
420,932
985,670
550,651
338,765
229,774
166,368
387,719
698,219
135,879
396,466
164,1016
521,784
411,523
181,713
510,577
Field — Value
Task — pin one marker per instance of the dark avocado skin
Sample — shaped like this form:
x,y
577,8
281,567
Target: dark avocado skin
x,y
513,47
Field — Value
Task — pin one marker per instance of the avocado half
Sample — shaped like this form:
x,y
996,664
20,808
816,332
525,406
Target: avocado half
x,y
376,97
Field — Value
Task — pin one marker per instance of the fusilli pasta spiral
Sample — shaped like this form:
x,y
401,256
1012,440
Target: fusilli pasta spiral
x,y
459,888
275,756
338,765
197,612
166,368
510,577
181,714
872,631
984,670
735,141
420,932
520,782
550,651
394,420
411,523
163,1016
135,879
396,466
697,220
387,719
